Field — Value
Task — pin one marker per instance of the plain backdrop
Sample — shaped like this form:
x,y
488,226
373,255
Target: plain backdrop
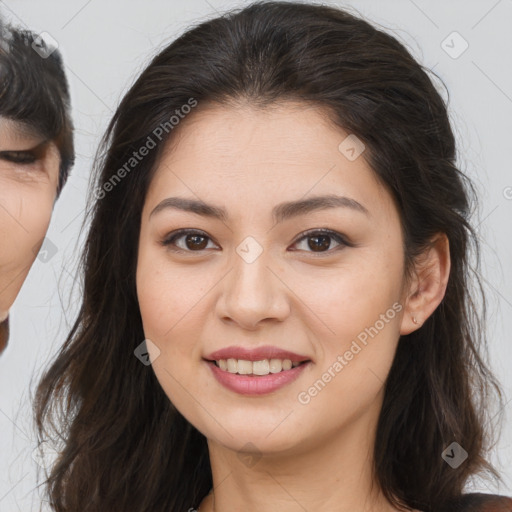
x,y
105,44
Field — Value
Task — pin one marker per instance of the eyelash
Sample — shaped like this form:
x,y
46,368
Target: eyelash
x,y
171,239
18,157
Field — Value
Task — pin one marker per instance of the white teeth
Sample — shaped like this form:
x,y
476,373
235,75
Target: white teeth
x,y
244,367
232,365
275,365
260,367
263,367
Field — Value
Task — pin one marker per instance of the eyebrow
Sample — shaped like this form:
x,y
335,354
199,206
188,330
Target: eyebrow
x,y
37,148
280,212
22,130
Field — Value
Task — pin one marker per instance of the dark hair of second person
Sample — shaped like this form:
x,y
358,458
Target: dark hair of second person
x,y
36,154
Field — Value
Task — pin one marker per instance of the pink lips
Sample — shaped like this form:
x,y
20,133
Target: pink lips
x,y
255,384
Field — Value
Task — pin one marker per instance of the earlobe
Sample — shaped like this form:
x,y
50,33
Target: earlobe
x,y
432,271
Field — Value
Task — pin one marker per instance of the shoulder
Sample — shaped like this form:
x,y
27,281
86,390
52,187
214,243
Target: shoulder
x,y
480,502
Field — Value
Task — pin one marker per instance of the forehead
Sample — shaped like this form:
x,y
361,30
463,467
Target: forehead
x,y
221,130
288,149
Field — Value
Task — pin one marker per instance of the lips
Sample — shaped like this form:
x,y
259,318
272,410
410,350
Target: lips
x,y
255,354
256,385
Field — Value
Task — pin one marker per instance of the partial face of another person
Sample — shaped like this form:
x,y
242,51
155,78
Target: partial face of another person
x,y
29,173
309,281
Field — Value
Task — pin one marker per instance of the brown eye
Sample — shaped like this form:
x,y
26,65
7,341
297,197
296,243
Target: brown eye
x,y
194,241
320,241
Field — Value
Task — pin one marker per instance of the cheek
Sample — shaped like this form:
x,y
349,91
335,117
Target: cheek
x,y
170,294
166,296
353,296
360,312
168,322
160,297
355,359
25,213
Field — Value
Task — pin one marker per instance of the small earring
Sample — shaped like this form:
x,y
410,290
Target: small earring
x,y
414,320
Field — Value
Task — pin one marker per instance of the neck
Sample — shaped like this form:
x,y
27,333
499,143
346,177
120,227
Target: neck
x,y
333,473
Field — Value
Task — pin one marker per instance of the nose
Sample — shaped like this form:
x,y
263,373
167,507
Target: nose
x,y
252,292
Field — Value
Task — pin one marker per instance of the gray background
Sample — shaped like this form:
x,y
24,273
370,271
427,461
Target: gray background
x,y
106,44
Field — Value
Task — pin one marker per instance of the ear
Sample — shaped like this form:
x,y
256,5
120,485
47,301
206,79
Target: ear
x,y
427,289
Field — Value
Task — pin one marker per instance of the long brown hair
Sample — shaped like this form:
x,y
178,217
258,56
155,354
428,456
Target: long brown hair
x,y
124,444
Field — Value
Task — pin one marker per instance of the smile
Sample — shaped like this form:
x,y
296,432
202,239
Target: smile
x,y
263,367
256,377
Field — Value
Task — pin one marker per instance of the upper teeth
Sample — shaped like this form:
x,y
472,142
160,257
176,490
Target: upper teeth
x,y
263,367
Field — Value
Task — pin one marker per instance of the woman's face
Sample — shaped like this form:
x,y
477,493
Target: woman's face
x,y
29,173
249,280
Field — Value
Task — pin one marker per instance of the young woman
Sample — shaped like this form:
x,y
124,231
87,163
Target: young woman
x,y
36,154
277,309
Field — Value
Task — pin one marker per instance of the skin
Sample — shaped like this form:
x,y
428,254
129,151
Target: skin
x,y
316,456
27,195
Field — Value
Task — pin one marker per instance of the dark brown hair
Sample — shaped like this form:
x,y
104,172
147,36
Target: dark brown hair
x,y
125,446
34,91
